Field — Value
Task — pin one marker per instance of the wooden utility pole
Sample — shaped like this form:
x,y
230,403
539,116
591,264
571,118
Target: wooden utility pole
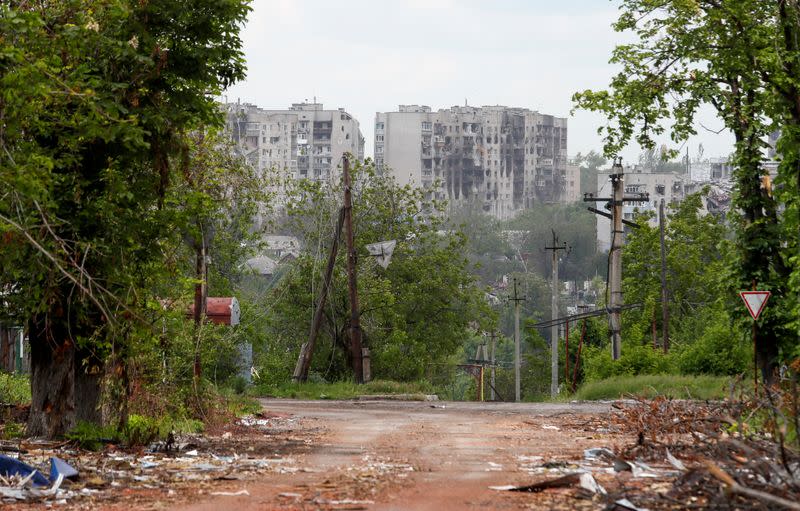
x,y
614,204
664,292
355,325
516,299
554,248
304,360
200,292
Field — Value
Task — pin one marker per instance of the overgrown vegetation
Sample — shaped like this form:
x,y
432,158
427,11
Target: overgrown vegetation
x,y
15,389
345,389
653,385
741,58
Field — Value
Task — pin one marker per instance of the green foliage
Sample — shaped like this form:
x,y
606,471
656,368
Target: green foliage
x,y
98,98
11,430
344,389
650,386
574,225
140,430
15,389
741,57
91,436
414,314
590,165
635,360
535,373
697,252
719,348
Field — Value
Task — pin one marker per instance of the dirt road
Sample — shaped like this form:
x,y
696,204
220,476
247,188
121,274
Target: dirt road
x,y
422,455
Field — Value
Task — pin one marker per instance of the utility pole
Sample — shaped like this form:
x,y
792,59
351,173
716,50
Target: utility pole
x,y
516,299
355,326
201,245
615,203
492,358
554,248
615,277
304,360
664,293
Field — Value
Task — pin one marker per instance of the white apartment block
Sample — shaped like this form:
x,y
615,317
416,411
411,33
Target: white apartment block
x,y
506,158
303,141
670,186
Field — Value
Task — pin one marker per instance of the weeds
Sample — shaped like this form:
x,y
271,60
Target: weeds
x,y
341,390
15,389
674,386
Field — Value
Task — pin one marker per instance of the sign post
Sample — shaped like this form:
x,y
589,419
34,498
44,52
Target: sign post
x,y
755,301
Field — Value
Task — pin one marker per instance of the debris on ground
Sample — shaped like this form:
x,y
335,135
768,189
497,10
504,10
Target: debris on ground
x,y
258,446
583,480
683,454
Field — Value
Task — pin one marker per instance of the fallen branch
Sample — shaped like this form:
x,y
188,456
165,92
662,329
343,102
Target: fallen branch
x,y
737,488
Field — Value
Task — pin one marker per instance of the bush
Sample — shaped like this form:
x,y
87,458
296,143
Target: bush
x,y
635,360
719,350
15,389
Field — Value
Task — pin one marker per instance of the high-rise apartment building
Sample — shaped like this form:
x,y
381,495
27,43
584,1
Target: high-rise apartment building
x,y
506,158
303,141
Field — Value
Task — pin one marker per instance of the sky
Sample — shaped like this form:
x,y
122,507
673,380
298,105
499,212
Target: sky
x,y
369,56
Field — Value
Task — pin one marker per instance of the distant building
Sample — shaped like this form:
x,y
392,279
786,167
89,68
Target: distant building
x,y
303,141
506,158
670,186
572,184
711,169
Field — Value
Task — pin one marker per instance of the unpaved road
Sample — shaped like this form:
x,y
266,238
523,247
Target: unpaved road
x,y
390,455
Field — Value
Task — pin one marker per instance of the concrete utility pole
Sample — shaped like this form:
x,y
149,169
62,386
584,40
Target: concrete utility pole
x,y
614,204
355,326
664,293
554,248
516,299
615,266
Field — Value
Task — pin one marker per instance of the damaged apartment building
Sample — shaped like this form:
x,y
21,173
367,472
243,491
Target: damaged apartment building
x,y
303,141
505,159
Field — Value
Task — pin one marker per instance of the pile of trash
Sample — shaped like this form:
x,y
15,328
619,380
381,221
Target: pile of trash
x,y
20,481
55,472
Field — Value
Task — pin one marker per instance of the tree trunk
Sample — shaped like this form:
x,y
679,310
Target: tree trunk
x,y
52,381
64,390
758,260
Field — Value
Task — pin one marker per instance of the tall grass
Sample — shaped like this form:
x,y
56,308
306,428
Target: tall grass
x,y
343,389
679,387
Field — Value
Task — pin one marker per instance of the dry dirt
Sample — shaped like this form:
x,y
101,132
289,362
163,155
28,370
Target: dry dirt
x,y
424,456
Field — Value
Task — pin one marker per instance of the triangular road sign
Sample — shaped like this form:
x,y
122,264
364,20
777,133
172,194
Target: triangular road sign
x,y
382,251
755,301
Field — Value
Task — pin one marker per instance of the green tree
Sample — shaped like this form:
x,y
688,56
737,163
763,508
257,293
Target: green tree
x,y
698,254
415,314
572,223
590,165
489,253
214,203
733,55
97,99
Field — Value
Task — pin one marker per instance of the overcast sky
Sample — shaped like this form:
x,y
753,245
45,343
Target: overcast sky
x,y
370,55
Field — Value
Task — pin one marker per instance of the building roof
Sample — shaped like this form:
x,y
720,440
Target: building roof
x,y
262,265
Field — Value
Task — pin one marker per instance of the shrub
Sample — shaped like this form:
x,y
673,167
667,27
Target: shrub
x,y
719,350
636,359
15,389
